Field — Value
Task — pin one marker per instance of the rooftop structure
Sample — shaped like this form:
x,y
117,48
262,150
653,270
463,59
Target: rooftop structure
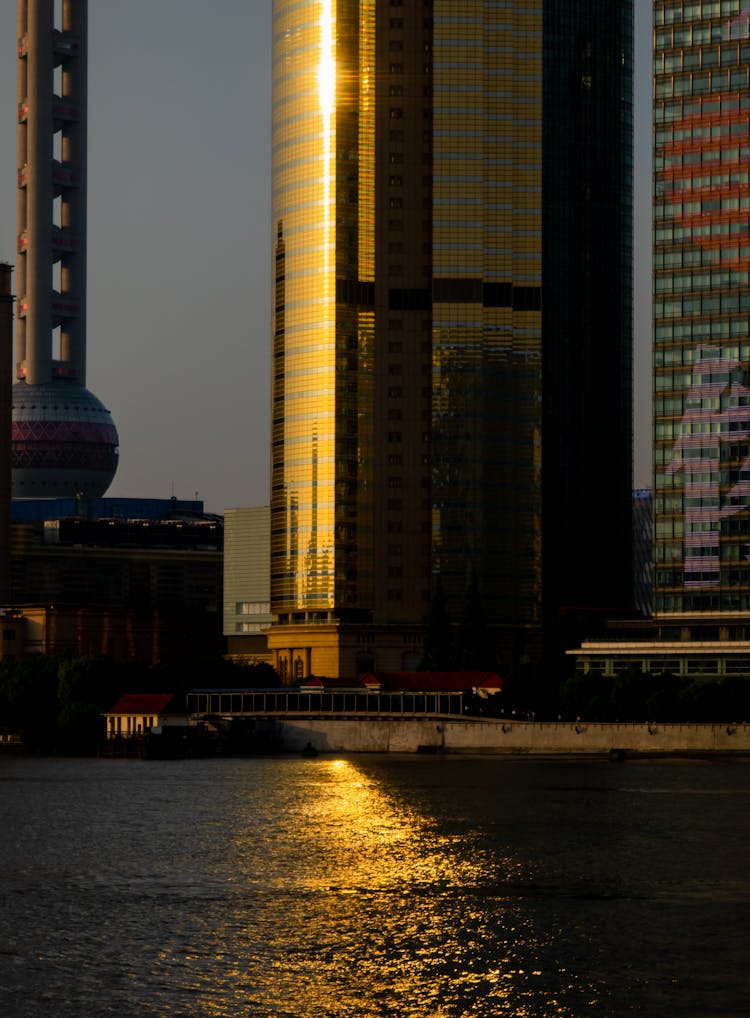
x,y
40,509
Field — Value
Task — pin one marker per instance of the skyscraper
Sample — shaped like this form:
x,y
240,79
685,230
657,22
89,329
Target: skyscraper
x,y
63,439
702,307
452,206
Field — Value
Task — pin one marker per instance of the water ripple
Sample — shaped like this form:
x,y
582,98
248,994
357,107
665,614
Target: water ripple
x,y
375,886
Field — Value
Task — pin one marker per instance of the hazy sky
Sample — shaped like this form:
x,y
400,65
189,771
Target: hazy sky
x,y
178,253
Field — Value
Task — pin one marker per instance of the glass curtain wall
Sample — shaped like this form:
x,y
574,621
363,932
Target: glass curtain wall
x,y
487,326
701,306
322,357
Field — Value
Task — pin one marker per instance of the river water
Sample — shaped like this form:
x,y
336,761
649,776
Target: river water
x,y
413,887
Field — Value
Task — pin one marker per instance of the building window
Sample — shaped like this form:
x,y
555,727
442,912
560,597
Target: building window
x,y
252,608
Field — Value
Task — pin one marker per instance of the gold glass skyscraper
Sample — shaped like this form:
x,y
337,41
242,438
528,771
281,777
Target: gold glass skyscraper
x,y
452,330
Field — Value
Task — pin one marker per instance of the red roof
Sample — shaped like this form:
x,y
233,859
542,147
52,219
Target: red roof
x,y
408,682
142,703
314,683
319,685
428,682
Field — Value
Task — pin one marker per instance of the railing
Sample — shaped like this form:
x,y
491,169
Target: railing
x,y
250,703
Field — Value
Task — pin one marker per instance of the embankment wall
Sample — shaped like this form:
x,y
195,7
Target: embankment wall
x,y
512,737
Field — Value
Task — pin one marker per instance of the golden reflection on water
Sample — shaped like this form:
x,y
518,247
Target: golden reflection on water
x,y
371,841
357,896
286,888
404,903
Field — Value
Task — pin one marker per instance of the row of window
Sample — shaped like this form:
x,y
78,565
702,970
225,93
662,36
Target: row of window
x,y
678,10
250,627
700,82
672,430
697,305
252,608
679,282
693,257
672,110
680,666
700,231
682,154
728,54
701,330
701,602
684,356
679,526
734,125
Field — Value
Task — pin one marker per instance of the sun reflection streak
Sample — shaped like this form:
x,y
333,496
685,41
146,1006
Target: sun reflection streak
x,y
371,841
327,66
421,908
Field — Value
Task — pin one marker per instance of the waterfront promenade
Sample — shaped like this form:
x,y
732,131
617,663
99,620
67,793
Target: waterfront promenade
x,y
365,722
451,735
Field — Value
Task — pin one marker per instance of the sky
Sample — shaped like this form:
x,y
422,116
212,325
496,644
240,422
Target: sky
x,y
179,298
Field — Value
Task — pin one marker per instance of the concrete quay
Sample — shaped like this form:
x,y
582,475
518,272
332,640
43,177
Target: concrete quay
x,y
510,737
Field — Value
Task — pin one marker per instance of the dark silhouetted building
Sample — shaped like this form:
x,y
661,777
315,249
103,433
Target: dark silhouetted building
x,y
148,590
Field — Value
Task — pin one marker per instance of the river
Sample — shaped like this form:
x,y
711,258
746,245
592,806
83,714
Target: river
x,y
415,887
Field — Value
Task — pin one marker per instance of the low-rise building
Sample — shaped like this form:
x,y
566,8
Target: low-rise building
x,y
709,646
138,589
141,713
247,583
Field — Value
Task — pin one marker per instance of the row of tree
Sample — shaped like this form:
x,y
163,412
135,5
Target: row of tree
x,y
56,703
550,691
631,696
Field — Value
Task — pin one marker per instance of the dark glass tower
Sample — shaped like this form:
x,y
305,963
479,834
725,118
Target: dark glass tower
x,y
453,336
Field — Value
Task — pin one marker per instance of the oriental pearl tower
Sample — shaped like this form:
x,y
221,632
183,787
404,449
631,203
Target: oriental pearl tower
x,y
64,442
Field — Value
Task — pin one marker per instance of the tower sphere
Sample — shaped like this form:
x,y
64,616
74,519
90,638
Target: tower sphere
x,y
64,441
